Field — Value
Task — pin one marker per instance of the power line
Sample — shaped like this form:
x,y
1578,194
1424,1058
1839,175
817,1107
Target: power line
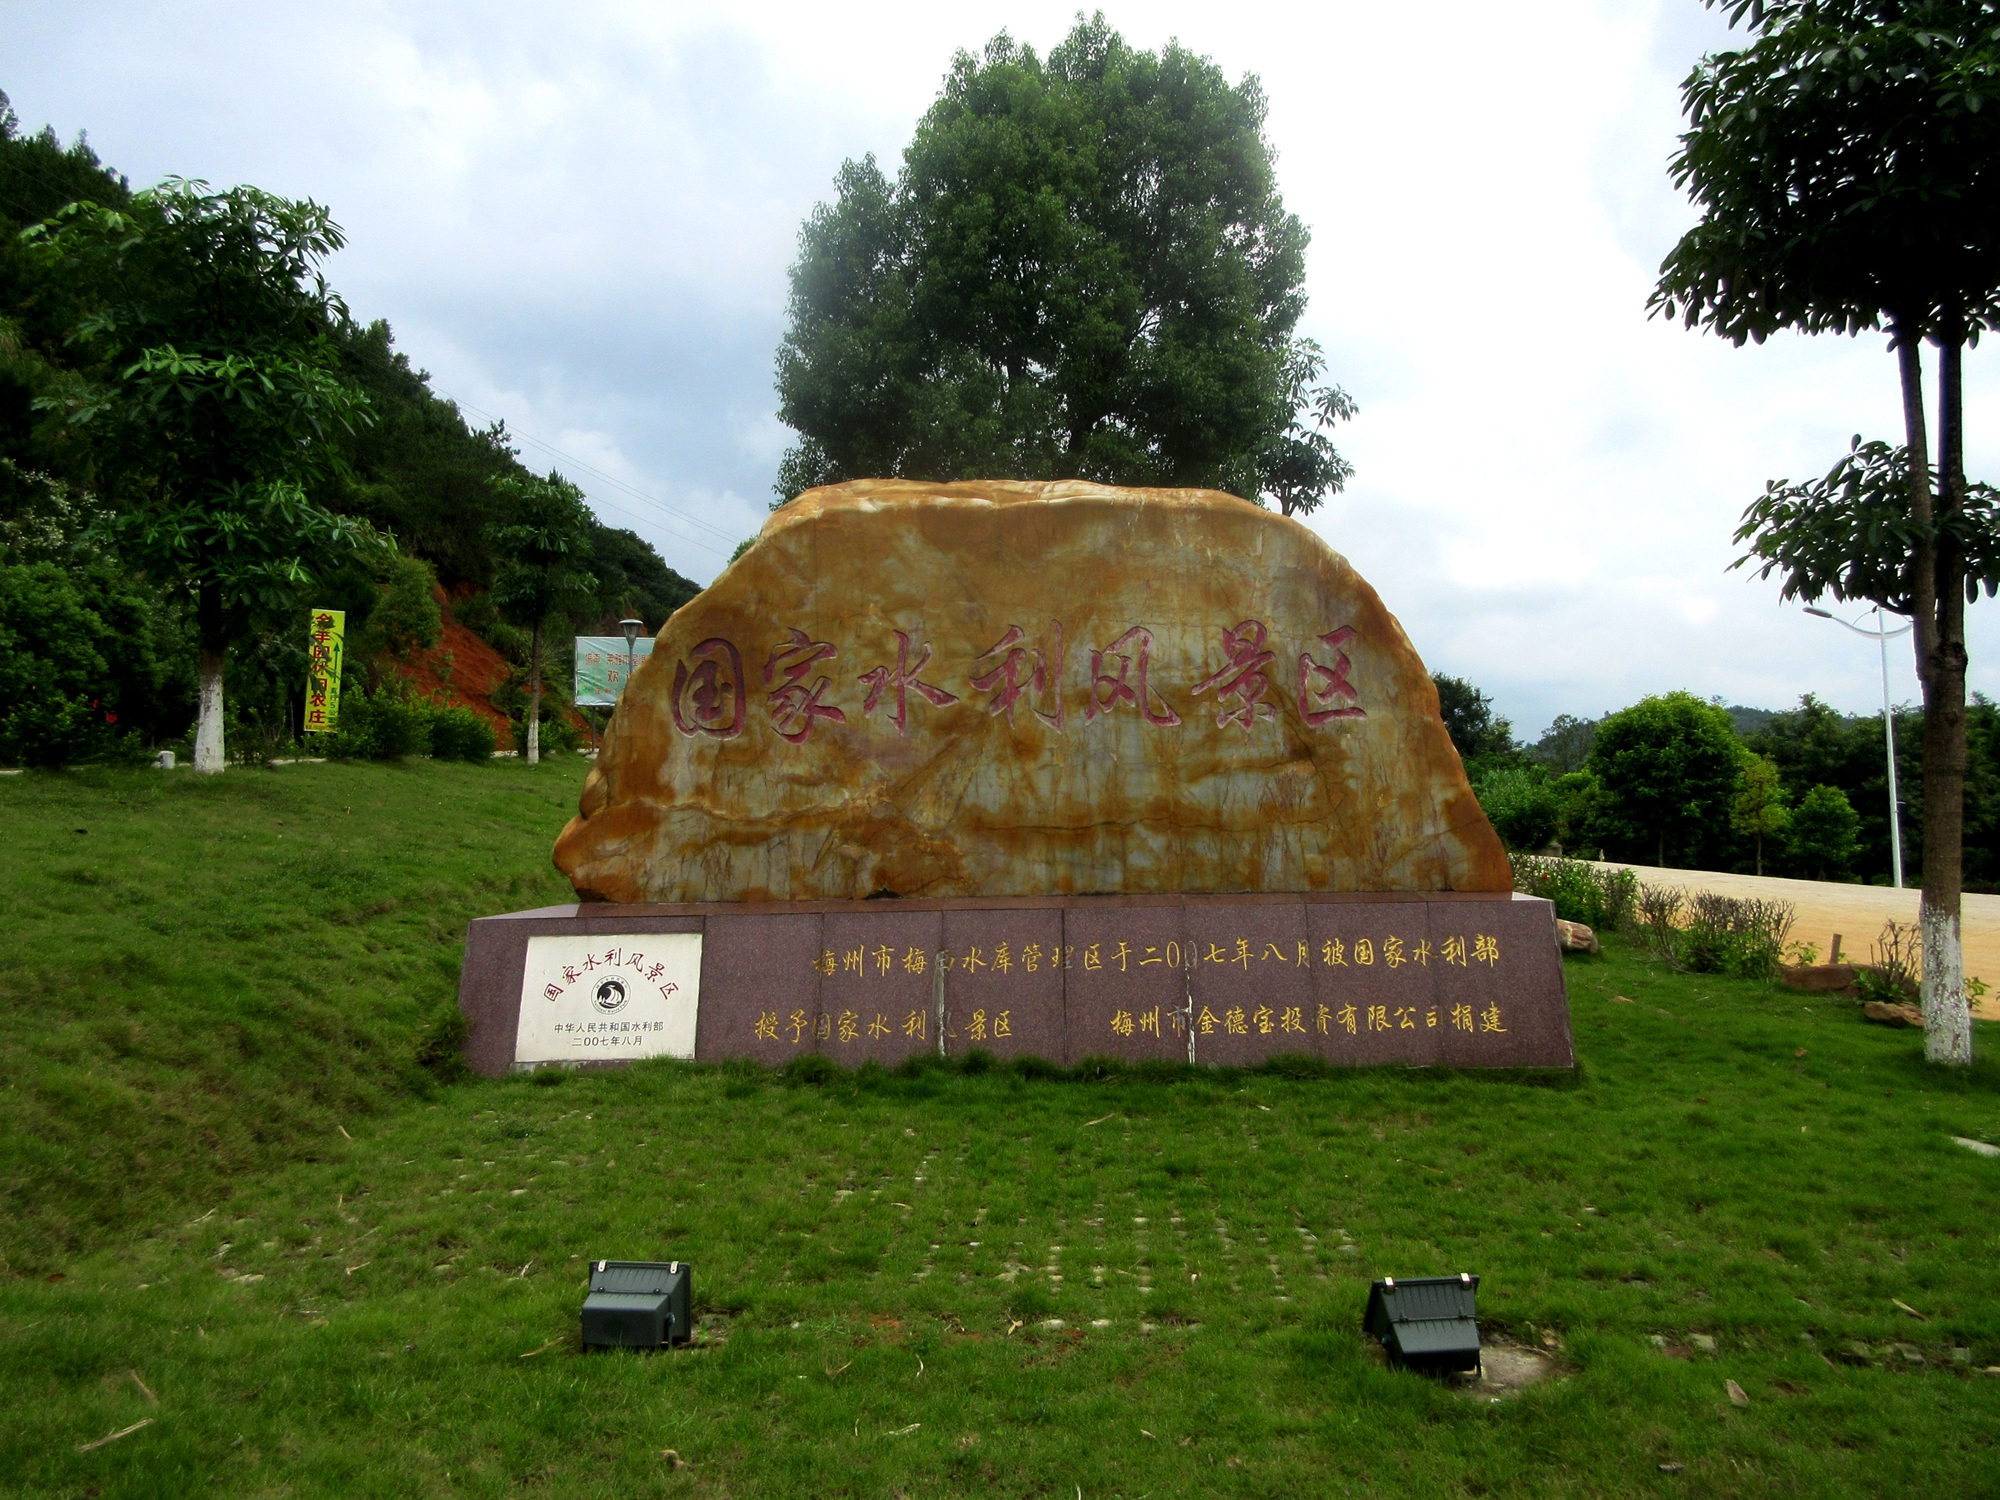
x,y
616,483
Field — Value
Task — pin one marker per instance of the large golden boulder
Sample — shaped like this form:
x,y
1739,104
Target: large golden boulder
x,y
1002,688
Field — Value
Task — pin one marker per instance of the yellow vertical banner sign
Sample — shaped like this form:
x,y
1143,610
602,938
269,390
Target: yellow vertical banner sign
x,y
323,657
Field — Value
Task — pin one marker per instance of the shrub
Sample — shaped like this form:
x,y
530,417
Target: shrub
x,y
1894,975
406,618
1706,933
558,734
83,660
382,727
457,733
1598,898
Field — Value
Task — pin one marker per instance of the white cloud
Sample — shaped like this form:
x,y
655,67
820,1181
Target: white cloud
x,y
579,218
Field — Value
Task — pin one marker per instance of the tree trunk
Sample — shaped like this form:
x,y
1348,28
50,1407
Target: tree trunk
x,y
208,757
1760,856
214,648
1947,1017
1923,572
535,698
1660,859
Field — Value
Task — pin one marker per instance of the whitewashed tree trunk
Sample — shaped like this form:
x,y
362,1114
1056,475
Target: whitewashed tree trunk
x,y
535,700
208,756
1947,1015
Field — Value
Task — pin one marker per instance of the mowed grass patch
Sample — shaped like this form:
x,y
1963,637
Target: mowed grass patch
x,y
976,1283
203,975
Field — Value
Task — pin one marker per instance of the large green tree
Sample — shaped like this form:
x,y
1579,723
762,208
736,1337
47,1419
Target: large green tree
x,y
1084,269
1668,768
216,399
1847,164
544,552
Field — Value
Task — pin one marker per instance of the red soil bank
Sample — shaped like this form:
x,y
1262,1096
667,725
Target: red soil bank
x,y
463,669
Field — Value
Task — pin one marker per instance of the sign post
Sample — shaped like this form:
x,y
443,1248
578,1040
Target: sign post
x,y
326,649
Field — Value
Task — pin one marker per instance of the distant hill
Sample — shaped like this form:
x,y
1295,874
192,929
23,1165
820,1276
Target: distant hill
x,y
1752,720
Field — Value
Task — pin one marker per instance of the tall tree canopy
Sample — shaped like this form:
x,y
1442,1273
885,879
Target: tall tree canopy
x,y
218,398
1084,269
1847,165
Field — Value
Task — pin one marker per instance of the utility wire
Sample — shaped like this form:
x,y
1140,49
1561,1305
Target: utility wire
x,y
599,474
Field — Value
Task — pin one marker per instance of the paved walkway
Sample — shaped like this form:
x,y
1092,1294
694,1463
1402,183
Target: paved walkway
x,y
1856,912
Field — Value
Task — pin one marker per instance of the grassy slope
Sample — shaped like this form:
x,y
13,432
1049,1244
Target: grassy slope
x,y
200,976
864,1248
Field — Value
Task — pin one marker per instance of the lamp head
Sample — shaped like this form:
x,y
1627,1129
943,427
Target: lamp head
x,y
1820,612
632,629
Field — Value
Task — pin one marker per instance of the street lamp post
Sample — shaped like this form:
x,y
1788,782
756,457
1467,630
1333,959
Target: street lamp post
x,y
1882,635
632,629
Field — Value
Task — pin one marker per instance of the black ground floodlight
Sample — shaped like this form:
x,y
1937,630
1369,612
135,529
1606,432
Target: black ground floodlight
x,y
637,1304
1427,1323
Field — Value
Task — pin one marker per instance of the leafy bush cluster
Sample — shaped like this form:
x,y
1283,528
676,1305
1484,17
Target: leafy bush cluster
x,y
91,662
1598,898
386,726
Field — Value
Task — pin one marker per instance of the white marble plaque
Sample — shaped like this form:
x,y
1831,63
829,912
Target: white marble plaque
x,y
609,998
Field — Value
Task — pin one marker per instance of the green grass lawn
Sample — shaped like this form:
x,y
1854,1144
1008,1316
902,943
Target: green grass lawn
x,y
325,1271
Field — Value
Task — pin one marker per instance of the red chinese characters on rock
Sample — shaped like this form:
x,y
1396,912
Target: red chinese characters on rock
x,y
1241,678
710,699
1109,689
1322,688
711,690
903,680
1020,670
796,705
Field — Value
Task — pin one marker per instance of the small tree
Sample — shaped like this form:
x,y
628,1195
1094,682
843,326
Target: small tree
x,y
1759,810
1847,164
541,553
217,398
1300,467
1668,767
1823,833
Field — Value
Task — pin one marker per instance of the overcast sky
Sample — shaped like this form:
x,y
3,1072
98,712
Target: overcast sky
x,y
579,218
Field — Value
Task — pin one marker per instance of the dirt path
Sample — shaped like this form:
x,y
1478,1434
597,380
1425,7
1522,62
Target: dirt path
x,y
1856,912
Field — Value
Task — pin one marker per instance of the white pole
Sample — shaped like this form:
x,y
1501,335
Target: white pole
x,y
1889,734
1882,634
